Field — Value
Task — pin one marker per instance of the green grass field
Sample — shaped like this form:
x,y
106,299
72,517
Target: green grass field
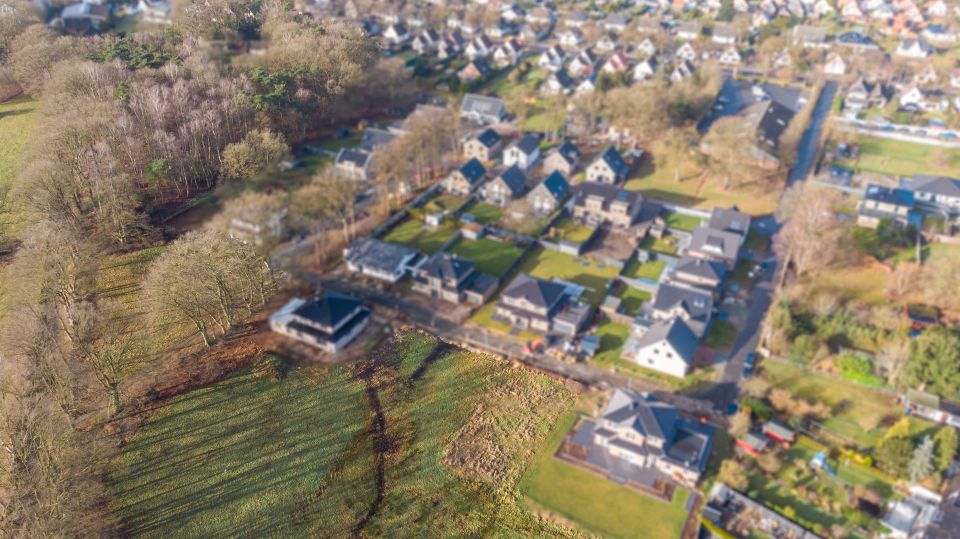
x,y
492,257
413,234
686,223
570,230
721,336
250,456
483,213
447,202
17,118
898,158
648,270
548,264
631,299
666,245
599,505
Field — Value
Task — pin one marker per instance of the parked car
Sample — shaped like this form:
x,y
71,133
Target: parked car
x,y
748,364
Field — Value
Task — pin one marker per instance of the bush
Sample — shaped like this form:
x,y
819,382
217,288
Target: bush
x,y
804,349
759,408
270,366
857,368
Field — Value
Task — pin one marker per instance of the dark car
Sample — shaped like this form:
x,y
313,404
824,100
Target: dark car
x,y
748,364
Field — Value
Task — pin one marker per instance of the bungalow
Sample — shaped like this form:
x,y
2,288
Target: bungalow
x,y
499,30
668,346
730,220
505,187
648,25
614,23
540,15
453,279
575,19
524,152
938,191
329,321
563,159
548,196
465,179
608,167
484,146
379,259
546,307
482,109
880,202
552,59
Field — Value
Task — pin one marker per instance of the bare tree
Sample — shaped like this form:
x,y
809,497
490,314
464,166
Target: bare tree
x,y
810,236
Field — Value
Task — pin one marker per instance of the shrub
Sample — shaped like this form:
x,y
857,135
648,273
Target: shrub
x,y
857,368
270,366
759,408
804,349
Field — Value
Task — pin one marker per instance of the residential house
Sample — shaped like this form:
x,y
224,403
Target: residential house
x,y
648,25
507,186
374,138
607,43
484,146
918,99
507,53
940,34
549,195
396,34
810,37
730,220
552,59
557,83
465,179
916,49
926,76
154,11
667,346
683,71
354,164
546,307
425,41
563,159
479,47
598,204
329,321
937,191
645,434
259,225
575,19
454,280
686,52
647,48
689,31
700,272
731,56
583,63
540,15
380,259
482,109
475,70
587,85
524,152
835,65
82,17
571,38
856,40
725,34
614,23
717,245
645,69
673,300
616,63
864,94
893,204
608,167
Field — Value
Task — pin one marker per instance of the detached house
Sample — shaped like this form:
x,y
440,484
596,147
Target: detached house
x,y
916,49
329,321
563,159
484,146
810,37
668,346
731,56
542,306
453,279
717,245
645,69
879,203
465,179
507,53
505,187
482,109
616,63
938,191
396,34
699,272
552,59
381,260
835,65
647,48
864,94
609,167
571,38
524,152
475,70
689,31
686,52
918,99
583,63
693,305
725,34
548,195
354,164
598,204
730,220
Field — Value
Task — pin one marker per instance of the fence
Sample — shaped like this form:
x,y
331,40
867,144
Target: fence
x,y
393,221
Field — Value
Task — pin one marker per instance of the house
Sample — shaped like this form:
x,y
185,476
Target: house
x,y
725,34
546,307
683,71
783,60
552,59
607,42
465,179
667,346
329,321
700,272
856,40
614,23
425,41
931,407
557,83
540,15
638,433
835,65
354,164
937,191
454,280
499,30
154,11
597,204
479,47
475,70
379,259
729,220
916,49
752,444
482,109
645,69
563,159
587,85
82,17
810,37
396,34
583,63
717,245
692,304
524,152
686,52
484,146
648,25
507,186
374,138
940,34
779,433
689,31
890,203
608,167
575,19
571,38
918,99
926,76
549,195
507,53
259,225
864,94
616,63
730,56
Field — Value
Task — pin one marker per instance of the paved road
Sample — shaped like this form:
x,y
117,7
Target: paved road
x,y
809,146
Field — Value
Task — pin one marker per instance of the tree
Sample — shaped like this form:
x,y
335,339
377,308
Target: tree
x,y
921,462
894,455
258,153
728,145
336,199
934,362
940,277
733,474
810,236
946,440
740,423
770,462
677,146
892,356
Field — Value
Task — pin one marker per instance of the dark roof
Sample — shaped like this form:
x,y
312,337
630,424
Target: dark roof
x,y
730,219
483,105
938,185
889,195
646,414
358,158
473,171
446,266
556,185
379,254
488,137
569,152
855,38
374,137
705,269
528,143
697,303
613,159
514,178
675,332
328,309
536,291
691,445
716,243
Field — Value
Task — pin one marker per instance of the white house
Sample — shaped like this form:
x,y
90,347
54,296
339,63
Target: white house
x,y
924,100
835,65
646,48
939,191
396,34
552,59
667,346
645,69
730,56
329,321
916,49
686,52
524,153
571,37
378,259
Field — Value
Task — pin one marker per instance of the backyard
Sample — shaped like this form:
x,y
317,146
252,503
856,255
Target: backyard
x,y
568,229
415,235
666,245
547,264
491,256
632,299
445,202
682,222
597,504
722,336
301,450
483,213
899,158
651,270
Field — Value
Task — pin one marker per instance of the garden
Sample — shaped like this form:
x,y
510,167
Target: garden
x,y
594,276
898,158
418,236
666,245
493,257
650,270
483,213
572,231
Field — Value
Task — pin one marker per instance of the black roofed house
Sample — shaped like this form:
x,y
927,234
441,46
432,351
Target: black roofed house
x,y
484,146
599,204
396,34
647,433
864,94
608,167
700,272
482,109
557,83
524,152
329,321
667,346
425,41
549,195
453,279
730,220
645,69
374,138
475,70
938,191
507,186
583,64
507,53
693,305
881,202
543,306
354,164
563,159
717,245
465,179
380,259
552,59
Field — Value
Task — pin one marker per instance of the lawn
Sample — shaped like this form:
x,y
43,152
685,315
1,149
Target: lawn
x,y
492,256
666,245
648,270
631,299
335,144
17,119
898,158
483,213
612,336
685,223
862,284
446,202
722,336
251,456
570,230
413,234
598,505
547,264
